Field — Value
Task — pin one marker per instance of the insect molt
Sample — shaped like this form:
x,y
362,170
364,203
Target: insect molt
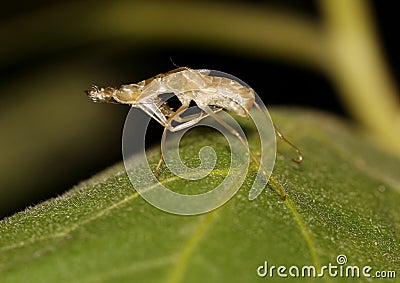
x,y
210,93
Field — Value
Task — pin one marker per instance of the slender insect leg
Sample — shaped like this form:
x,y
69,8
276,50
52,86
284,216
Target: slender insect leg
x,y
189,120
189,117
282,137
195,119
181,109
235,133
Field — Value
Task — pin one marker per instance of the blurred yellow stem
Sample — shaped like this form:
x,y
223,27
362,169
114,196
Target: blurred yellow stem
x,y
359,71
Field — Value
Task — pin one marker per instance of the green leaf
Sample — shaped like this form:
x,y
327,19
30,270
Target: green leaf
x,y
343,199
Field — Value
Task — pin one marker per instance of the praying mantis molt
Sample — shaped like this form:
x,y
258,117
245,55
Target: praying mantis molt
x,y
210,93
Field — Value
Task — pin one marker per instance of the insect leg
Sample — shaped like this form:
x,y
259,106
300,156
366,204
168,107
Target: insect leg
x,y
167,126
190,120
212,114
282,137
186,123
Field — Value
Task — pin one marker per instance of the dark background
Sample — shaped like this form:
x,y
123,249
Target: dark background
x,y
79,154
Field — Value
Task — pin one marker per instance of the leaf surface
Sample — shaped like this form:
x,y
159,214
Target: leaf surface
x,y
343,199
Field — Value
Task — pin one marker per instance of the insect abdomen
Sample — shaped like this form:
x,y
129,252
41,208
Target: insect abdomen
x,y
232,95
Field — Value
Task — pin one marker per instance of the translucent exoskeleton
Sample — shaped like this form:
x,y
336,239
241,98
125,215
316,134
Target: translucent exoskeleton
x,y
210,93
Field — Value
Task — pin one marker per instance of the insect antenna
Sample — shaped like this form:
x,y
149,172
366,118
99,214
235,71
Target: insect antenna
x,y
173,63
